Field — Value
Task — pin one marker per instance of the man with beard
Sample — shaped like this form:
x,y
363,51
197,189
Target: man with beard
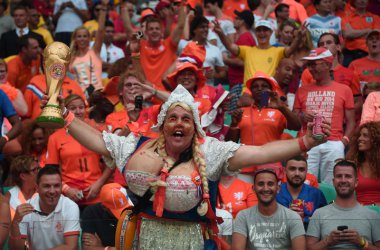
x,y
344,224
49,219
296,195
268,225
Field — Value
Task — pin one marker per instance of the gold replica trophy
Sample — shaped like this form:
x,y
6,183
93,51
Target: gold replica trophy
x,y
56,60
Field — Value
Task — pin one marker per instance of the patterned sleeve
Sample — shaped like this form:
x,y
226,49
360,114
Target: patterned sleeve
x,y
120,147
217,154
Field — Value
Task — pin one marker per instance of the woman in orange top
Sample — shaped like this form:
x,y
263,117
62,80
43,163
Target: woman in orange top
x,y
83,174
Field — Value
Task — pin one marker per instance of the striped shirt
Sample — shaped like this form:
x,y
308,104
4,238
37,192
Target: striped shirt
x,y
319,25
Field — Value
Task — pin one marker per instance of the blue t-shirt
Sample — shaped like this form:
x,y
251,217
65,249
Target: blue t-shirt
x,y
313,199
6,110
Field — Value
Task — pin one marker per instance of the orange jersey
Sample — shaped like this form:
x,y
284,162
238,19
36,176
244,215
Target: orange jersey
x,y
19,74
147,118
341,74
229,6
367,69
360,22
260,127
238,196
156,60
80,166
37,87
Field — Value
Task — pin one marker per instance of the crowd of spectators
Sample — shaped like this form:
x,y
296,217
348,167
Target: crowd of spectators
x,y
260,71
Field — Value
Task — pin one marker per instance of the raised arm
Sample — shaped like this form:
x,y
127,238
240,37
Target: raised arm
x,y
227,42
289,50
177,32
126,19
275,151
100,33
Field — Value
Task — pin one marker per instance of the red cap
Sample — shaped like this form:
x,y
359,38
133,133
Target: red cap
x,y
320,53
161,5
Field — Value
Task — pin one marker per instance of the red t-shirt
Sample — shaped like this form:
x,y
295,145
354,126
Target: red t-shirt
x,y
341,75
368,191
236,74
156,60
238,196
330,100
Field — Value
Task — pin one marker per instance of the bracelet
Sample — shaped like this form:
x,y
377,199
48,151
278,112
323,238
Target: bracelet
x,y
6,138
65,188
14,237
234,128
302,144
155,92
69,119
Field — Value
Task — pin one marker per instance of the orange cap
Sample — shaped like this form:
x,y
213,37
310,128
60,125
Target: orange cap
x,y
114,197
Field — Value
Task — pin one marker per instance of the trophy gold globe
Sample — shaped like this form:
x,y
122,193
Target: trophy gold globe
x,y
56,60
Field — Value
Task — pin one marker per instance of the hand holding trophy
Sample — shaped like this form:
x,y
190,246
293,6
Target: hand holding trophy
x,y
56,60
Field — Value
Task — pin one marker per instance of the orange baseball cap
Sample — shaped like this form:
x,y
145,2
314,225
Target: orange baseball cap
x,y
114,197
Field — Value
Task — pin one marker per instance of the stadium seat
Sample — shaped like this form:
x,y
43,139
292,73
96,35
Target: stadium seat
x,y
329,192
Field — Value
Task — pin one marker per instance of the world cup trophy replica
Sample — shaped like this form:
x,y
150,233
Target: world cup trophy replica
x,y
56,60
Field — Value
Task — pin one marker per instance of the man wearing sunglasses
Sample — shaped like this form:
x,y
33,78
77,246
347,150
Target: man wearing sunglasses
x,y
335,103
48,220
344,224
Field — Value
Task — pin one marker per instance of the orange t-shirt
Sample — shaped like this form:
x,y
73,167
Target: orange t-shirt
x,y
9,90
260,127
359,22
310,180
19,74
238,196
229,6
80,166
341,74
147,118
296,10
367,69
330,100
37,87
156,60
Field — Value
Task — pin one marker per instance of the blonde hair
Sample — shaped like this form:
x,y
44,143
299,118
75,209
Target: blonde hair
x,y
73,45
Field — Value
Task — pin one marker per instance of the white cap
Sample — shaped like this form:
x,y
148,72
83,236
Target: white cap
x,y
263,23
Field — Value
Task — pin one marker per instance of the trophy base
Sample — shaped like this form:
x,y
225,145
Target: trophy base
x,y
51,117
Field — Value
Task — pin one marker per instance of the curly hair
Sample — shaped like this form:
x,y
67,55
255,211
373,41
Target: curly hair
x,y
374,154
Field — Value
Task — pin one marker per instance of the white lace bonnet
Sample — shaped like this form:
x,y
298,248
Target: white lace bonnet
x,y
180,94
